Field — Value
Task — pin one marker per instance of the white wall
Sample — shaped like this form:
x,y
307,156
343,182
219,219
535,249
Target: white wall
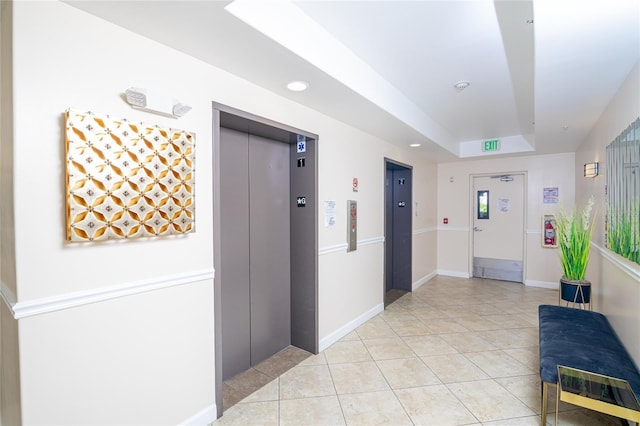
x,y
122,332
141,359
615,281
542,267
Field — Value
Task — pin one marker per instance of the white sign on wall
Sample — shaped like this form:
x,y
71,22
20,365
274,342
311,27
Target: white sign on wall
x,y
329,213
504,205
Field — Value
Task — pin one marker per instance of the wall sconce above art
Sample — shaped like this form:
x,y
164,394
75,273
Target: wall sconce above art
x,y
591,169
154,102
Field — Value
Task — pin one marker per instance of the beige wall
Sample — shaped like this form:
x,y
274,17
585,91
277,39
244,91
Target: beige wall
x,y
79,354
455,203
7,258
141,359
425,243
9,360
10,413
615,281
347,153
115,317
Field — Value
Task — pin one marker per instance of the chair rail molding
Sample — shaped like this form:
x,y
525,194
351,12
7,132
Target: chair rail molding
x,y
625,265
70,300
343,247
7,295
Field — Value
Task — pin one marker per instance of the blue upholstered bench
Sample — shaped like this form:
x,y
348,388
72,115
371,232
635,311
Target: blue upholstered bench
x,y
584,340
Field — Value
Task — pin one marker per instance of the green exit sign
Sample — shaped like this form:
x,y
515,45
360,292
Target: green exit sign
x,y
492,145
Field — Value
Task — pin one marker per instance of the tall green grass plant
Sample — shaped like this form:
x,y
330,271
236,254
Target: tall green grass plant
x,y
574,240
623,233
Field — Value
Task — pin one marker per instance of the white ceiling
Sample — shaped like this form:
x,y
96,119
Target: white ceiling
x,y
541,72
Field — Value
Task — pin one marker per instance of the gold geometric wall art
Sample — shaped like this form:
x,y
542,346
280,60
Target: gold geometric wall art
x,y
127,179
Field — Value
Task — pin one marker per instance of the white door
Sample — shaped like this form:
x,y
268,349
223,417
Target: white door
x,y
498,227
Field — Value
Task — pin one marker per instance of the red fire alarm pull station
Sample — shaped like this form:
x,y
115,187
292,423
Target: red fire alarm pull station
x,y
445,220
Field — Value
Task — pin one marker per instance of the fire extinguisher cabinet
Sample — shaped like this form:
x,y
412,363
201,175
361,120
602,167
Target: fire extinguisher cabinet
x,y
549,233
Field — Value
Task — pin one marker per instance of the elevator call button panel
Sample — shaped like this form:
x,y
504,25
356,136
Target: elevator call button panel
x,y
352,228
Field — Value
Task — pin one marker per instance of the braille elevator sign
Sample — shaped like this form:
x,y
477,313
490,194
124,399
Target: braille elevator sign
x,y
302,201
301,145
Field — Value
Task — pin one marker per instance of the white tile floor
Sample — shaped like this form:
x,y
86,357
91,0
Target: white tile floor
x,y
454,352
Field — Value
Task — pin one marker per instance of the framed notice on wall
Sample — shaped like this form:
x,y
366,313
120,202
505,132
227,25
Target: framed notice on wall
x,y
550,195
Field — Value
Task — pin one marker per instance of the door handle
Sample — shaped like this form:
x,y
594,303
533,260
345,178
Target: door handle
x,y
475,228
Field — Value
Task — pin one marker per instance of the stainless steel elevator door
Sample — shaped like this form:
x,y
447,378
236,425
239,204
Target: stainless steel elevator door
x,y
255,249
270,248
234,253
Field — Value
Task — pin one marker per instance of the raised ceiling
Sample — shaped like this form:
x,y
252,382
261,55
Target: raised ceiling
x,y
541,73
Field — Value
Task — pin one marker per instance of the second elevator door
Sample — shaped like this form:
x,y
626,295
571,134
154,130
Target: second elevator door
x,y
255,249
398,228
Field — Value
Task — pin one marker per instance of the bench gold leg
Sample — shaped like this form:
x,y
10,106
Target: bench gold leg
x,y
557,403
543,405
543,413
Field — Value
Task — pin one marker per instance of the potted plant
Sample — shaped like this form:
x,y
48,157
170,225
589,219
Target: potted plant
x,y
574,240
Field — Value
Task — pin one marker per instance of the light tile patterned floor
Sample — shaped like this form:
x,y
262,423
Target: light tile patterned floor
x,y
454,352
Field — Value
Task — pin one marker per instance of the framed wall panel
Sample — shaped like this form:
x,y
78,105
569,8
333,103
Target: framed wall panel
x,y
127,179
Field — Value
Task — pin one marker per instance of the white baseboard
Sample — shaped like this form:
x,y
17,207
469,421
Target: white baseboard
x,y
349,327
416,285
457,274
203,418
542,284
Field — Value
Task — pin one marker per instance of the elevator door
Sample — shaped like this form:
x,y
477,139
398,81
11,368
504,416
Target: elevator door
x,y
255,249
398,227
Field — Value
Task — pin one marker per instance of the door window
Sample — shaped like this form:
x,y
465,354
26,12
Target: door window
x,y
483,204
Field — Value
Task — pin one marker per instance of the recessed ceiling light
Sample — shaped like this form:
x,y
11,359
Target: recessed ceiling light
x,y
414,145
298,86
461,85
565,128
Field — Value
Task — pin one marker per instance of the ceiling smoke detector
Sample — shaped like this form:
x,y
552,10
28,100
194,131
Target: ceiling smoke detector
x,y
461,85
